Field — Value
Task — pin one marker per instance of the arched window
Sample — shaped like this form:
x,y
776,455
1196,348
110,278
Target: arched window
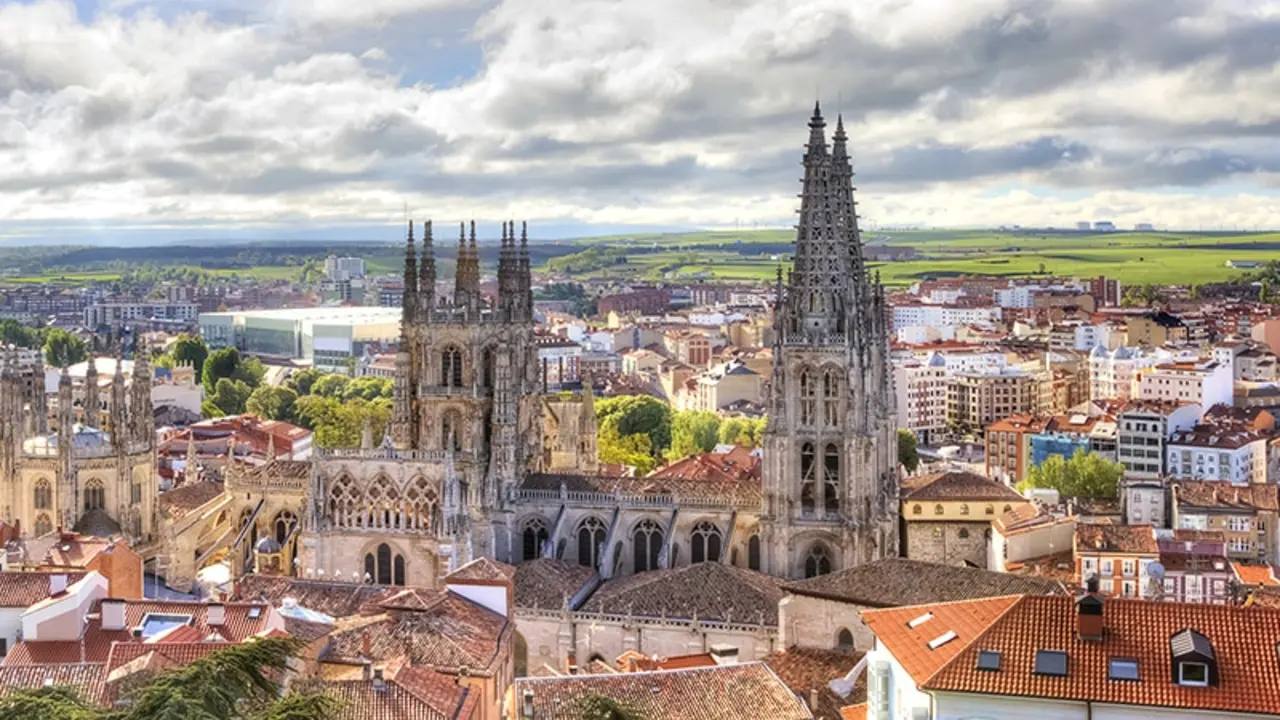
x,y
808,469
937,509
991,510
44,495
705,543
916,509
344,503
753,553
370,568
384,564
486,367
451,367
534,537
285,523
95,496
398,578
831,479
831,398
964,533
964,508
591,534
808,394
44,526
1007,508
818,561
844,639
647,540
451,430
422,508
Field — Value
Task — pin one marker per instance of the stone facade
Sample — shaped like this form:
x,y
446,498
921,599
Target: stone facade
x,y
949,543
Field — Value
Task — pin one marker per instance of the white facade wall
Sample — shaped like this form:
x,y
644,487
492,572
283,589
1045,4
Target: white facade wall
x,y
965,706
942,315
1239,466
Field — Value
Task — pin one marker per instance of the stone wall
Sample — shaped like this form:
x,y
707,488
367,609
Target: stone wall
x,y
948,543
811,622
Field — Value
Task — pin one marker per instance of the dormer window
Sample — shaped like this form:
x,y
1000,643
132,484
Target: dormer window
x,y
1193,673
1194,661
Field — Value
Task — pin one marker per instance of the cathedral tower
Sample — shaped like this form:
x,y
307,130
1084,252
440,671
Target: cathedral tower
x,y
830,447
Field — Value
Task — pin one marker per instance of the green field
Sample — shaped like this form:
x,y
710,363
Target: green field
x,y
1133,258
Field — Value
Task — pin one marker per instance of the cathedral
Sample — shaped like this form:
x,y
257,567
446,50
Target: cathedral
x,y
71,467
477,461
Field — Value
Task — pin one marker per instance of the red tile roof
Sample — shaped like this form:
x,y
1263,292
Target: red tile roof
x,y
407,693
854,712
1243,639
20,589
483,569
1107,538
957,485
734,466
805,670
1256,574
1225,496
89,679
966,620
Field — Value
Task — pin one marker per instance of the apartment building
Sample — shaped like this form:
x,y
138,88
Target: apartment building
x,y
1208,451
1117,555
1203,383
1143,428
976,400
921,387
1246,516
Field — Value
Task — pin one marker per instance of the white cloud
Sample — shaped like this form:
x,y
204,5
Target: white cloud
x,y
684,112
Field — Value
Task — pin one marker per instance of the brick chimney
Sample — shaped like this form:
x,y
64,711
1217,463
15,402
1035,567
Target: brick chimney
x,y
366,644
1089,618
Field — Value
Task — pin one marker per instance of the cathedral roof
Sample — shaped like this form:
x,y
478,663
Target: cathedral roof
x,y
550,584
189,496
336,599
957,485
895,582
710,591
483,569
83,437
745,490
97,523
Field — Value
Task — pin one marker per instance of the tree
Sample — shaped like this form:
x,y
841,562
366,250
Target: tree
x,y
599,707
634,450
61,348
234,683
332,385
369,388
230,396
15,333
733,431
190,350
219,364
272,403
908,453
1084,475
343,423
692,431
302,380
1264,291
638,414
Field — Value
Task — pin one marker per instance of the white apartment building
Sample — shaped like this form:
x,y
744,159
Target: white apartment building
x,y
1113,373
337,269
116,314
1143,428
1203,383
914,314
1208,452
921,387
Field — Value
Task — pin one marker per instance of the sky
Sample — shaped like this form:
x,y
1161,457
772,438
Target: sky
x,y
159,120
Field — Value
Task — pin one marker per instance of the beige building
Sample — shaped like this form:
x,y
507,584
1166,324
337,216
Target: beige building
x,y
948,516
975,400
721,386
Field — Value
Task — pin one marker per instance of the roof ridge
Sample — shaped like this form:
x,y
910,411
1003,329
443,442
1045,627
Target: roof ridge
x,y
1018,600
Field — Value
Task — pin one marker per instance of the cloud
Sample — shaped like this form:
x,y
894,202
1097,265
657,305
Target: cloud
x,y
613,112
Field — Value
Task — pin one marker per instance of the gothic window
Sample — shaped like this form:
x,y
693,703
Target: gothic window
x,y
844,640
964,508
831,398
95,496
963,534
808,468
451,430
818,561
534,537
753,553
831,479
705,544
808,392
486,367
647,542
44,495
135,493
384,564
44,526
451,367
344,503
398,575
937,509
422,506
370,568
590,542
284,525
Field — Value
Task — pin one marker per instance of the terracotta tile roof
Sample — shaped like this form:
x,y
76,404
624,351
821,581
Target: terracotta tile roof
x,y
306,630
23,589
736,466
894,582
549,584
957,485
95,644
1023,518
641,663
854,712
1256,574
175,654
1133,629
1107,538
68,549
733,692
804,670
963,621
483,569
1060,567
188,497
450,634
408,693
89,679
335,599
1225,496
746,489
706,591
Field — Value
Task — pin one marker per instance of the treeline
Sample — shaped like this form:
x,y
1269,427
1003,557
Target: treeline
x,y
593,258
642,431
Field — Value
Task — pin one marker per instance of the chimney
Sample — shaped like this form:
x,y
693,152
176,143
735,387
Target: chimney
x,y
366,644
813,700
366,669
113,614
378,683
572,663
1089,623
216,615
57,584
526,705
724,654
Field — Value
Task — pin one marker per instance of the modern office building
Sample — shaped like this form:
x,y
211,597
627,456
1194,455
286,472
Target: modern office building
x,y
325,336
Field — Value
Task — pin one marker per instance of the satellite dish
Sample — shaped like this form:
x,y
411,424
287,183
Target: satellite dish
x,y
1155,571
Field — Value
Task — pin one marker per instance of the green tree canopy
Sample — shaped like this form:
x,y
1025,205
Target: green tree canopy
x,y
1084,475
638,414
908,452
15,333
692,432
61,348
229,396
332,385
369,388
272,403
302,380
311,411
634,450
190,350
